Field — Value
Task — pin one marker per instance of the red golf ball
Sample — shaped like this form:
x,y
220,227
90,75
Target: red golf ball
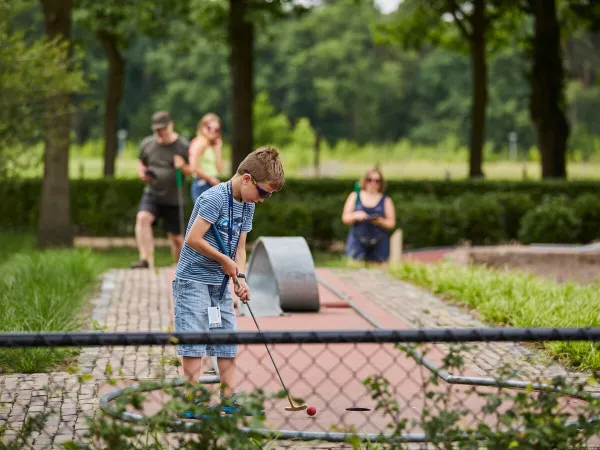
x,y
311,410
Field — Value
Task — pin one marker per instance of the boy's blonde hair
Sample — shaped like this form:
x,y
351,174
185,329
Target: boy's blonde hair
x,y
265,166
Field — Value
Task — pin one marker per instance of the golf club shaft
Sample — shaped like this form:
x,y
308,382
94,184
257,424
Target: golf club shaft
x,y
222,246
268,351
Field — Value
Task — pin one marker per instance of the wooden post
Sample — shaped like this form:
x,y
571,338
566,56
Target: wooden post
x,y
396,246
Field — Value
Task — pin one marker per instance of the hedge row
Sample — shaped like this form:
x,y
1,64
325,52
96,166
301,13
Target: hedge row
x,y
537,190
481,212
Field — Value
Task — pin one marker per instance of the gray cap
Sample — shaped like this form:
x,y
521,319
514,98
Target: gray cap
x,y
160,120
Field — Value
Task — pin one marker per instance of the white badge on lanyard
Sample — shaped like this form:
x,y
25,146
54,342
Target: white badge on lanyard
x,y
214,317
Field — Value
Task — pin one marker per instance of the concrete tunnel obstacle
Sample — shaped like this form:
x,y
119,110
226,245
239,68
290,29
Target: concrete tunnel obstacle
x,y
281,276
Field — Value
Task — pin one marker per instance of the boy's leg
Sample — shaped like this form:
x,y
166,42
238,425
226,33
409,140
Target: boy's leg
x,y
225,353
192,368
191,301
227,371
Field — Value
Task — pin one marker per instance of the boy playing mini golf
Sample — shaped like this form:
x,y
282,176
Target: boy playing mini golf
x,y
200,289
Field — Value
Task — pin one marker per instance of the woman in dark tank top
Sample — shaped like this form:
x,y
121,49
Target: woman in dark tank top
x,y
371,215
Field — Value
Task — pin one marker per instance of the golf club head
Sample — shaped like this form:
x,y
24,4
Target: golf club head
x,y
296,408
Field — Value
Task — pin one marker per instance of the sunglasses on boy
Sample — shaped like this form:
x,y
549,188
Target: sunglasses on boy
x,y
261,192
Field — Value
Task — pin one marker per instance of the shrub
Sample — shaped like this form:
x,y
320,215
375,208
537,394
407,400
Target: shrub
x,y
483,218
431,213
514,205
554,221
587,208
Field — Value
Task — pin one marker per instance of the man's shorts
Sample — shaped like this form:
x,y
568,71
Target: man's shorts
x,y
168,213
192,300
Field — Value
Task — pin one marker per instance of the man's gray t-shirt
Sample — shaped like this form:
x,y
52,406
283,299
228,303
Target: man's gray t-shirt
x,y
213,206
159,159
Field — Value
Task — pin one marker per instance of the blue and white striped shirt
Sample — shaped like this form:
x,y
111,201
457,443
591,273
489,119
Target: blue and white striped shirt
x,y
213,206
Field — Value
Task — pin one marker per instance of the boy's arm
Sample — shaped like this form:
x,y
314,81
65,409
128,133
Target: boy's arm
x,y
243,291
195,239
240,256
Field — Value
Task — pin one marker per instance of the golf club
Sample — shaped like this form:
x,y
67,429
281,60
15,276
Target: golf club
x,y
292,406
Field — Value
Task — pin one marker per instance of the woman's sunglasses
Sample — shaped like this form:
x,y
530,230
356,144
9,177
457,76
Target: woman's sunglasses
x,y
373,180
261,192
213,129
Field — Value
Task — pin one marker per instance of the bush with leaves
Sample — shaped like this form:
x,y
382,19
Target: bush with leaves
x,y
30,73
553,221
587,208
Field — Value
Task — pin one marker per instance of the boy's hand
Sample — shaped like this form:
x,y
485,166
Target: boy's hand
x,y
241,289
230,267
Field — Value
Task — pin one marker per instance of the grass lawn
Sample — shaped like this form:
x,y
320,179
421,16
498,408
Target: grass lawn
x,y
518,300
89,167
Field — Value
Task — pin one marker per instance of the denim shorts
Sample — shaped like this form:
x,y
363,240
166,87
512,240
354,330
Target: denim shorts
x,y
192,300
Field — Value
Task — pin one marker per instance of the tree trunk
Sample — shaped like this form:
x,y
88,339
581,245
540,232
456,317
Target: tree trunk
x,y
54,226
480,97
241,43
547,90
112,98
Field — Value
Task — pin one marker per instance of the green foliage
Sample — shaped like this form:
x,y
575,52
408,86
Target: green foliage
x,y
554,221
269,127
428,223
350,84
124,19
483,216
31,71
587,208
515,206
213,431
303,135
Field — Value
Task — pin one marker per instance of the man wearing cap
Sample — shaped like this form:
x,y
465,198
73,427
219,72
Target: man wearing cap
x,y
160,155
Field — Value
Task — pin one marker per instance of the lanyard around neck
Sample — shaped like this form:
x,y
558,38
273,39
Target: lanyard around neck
x,y
232,248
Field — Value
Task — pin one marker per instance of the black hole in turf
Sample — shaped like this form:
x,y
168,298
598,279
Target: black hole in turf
x,y
358,409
